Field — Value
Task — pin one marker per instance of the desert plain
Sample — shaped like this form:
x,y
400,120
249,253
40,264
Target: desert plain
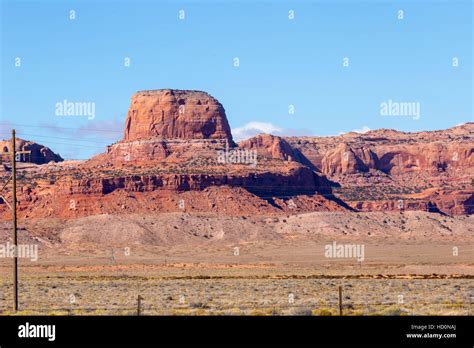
x,y
178,219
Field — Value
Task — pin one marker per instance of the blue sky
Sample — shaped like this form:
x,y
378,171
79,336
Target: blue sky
x,y
283,62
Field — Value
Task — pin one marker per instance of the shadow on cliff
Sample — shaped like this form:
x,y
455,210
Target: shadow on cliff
x,y
318,185
304,160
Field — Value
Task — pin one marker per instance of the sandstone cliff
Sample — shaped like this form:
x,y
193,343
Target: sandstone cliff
x,y
176,114
431,171
178,146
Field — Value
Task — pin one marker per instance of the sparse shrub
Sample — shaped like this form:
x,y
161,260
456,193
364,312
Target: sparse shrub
x,y
306,311
394,311
198,304
322,312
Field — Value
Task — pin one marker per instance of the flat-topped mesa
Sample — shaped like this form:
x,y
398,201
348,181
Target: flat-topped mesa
x,y
176,114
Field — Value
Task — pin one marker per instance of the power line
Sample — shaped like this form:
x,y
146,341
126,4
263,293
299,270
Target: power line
x,y
57,127
51,137
79,145
171,122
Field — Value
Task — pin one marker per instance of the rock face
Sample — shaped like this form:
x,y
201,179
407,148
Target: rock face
x,y
271,145
387,151
387,169
162,122
391,152
40,154
144,150
176,114
178,146
347,160
298,180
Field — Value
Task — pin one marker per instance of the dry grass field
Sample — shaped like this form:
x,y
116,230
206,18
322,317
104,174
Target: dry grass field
x,y
257,266
70,294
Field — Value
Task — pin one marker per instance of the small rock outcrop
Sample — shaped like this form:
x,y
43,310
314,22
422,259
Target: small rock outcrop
x,y
40,154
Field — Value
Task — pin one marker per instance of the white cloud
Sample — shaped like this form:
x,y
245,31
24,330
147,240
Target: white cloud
x,y
362,130
253,128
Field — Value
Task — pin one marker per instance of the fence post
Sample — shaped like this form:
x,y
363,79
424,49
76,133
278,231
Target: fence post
x,y
139,305
340,300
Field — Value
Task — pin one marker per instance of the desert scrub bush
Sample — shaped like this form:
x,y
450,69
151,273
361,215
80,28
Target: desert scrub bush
x,y
180,311
392,311
99,312
355,312
200,312
20,313
234,311
198,304
301,311
258,312
324,312
52,179
59,313
264,311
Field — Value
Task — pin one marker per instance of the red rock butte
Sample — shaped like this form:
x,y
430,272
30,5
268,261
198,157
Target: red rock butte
x,y
172,150
176,114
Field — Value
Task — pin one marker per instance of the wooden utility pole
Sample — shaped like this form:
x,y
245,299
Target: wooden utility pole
x,y
139,305
14,153
15,234
340,300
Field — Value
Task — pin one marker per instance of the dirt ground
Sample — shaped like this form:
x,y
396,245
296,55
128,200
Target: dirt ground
x,y
184,264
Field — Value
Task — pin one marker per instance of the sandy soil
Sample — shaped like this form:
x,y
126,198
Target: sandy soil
x,y
204,264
